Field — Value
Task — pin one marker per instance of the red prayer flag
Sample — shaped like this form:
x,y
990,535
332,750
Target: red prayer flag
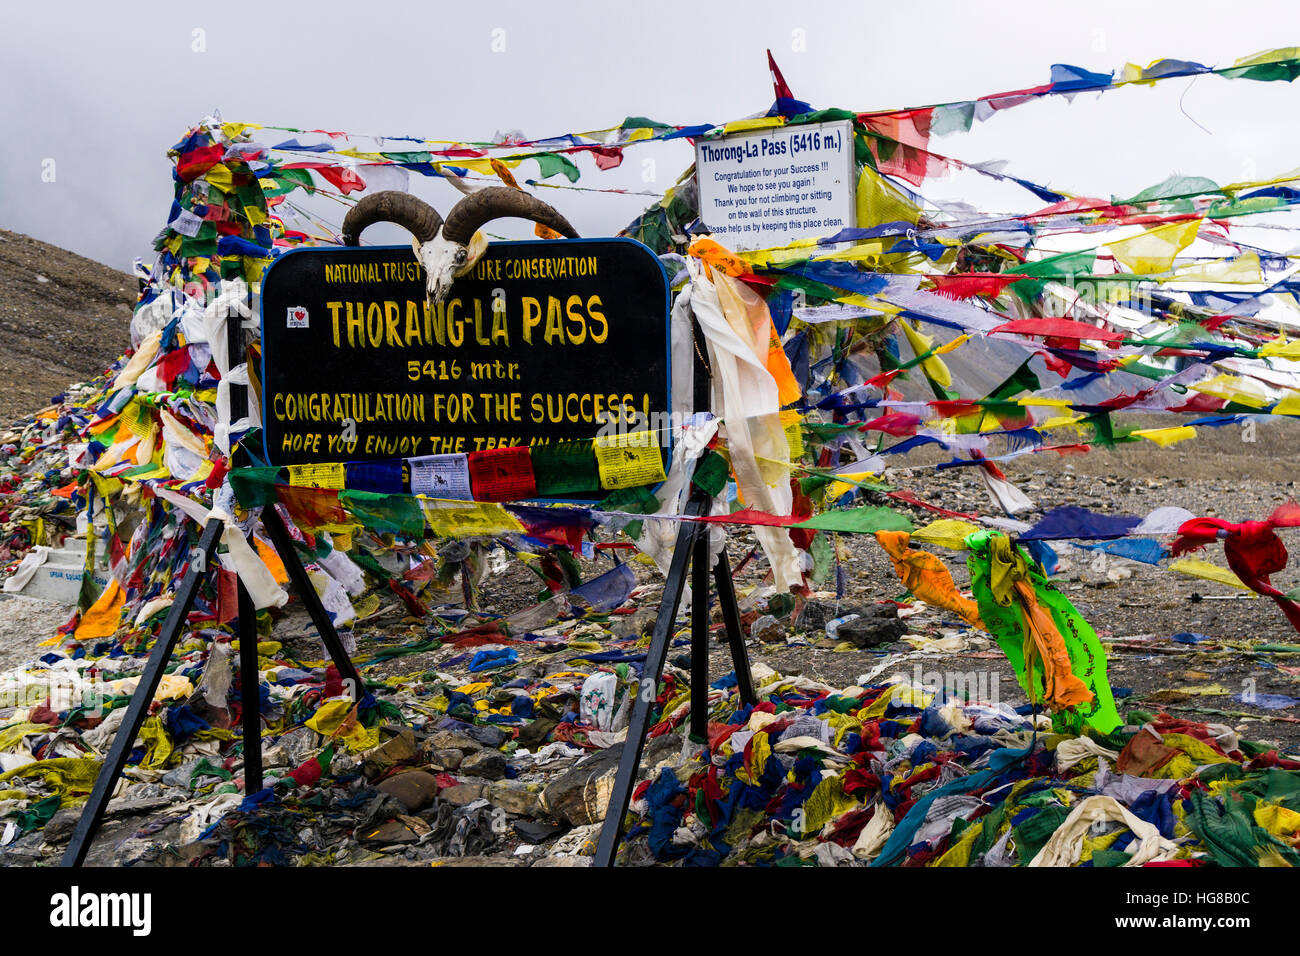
x,y
779,85
502,474
1058,328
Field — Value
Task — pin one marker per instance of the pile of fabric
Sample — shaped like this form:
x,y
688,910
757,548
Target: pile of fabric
x,y
892,775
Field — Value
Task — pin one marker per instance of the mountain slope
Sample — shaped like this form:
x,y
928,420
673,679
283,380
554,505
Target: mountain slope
x,y
63,319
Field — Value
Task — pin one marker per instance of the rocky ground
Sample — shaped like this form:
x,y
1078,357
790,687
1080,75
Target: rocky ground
x,y
504,807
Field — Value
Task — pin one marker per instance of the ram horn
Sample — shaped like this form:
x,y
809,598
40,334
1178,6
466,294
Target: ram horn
x,y
410,212
500,202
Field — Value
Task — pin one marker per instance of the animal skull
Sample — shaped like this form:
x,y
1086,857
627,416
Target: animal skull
x,y
445,260
451,248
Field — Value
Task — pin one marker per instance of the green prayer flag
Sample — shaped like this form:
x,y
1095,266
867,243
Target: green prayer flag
x,y
711,473
387,514
549,164
562,468
867,519
254,487
1022,379
1007,625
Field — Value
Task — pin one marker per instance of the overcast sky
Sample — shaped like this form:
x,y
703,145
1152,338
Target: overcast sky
x,y
103,89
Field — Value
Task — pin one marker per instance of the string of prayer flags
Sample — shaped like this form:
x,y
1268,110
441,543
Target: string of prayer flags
x,y
1071,521
1253,550
927,577
383,477
313,509
712,471
387,514
566,526
607,591
866,519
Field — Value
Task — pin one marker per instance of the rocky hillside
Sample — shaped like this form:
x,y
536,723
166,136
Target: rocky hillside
x,y
63,318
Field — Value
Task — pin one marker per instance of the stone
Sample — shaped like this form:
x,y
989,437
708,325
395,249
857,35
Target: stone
x,y
767,629
874,625
462,794
475,861
581,794
564,861
389,833
60,826
538,831
490,764
452,740
814,615
412,788
396,750
487,736
446,759
513,797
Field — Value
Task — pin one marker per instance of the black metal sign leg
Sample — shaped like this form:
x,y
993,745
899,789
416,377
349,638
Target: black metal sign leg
x,y
611,832
136,712
735,637
279,535
250,696
700,635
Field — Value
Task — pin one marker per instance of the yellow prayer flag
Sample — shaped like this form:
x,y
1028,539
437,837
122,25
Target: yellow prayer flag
x,y
629,460
761,122
948,533
1210,572
1154,251
792,423
933,366
325,475
1165,437
467,519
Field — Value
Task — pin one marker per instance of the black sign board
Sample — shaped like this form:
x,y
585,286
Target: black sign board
x,y
542,342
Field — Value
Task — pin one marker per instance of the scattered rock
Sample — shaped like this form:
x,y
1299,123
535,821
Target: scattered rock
x,y
581,795
59,828
412,788
487,736
767,629
874,625
452,740
815,615
446,759
489,764
390,833
396,750
538,831
513,797
462,794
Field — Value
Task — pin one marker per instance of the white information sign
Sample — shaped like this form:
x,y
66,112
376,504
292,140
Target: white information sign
x,y
769,187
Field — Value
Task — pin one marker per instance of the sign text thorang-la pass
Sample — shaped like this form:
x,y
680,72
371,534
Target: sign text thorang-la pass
x,y
542,342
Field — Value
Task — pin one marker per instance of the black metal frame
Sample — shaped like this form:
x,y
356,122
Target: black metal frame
x,y
692,547
106,780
